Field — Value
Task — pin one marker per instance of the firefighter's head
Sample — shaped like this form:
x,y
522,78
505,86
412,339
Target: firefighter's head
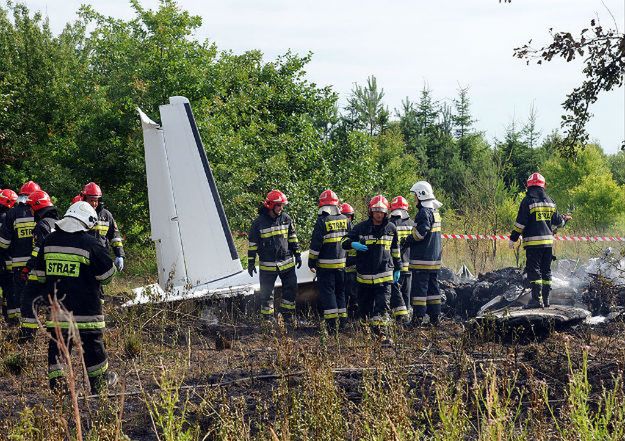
x,y
399,206
38,200
27,189
92,193
378,208
329,202
275,202
536,180
347,210
7,198
424,195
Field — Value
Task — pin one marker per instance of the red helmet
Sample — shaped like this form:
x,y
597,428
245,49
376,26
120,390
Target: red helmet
x,y
91,189
328,197
29,187
378,203
8,197
536,180
399,203
77,198
275,197
347,209
38,200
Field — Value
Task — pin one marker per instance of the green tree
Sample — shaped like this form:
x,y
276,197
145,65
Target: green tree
x,y
599,202
617,165
366,105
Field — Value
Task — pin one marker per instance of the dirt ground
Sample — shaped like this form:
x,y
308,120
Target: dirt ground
x,y
248,361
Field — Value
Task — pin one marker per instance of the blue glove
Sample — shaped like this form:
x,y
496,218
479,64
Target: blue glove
x,y
396,275
359,247
119,263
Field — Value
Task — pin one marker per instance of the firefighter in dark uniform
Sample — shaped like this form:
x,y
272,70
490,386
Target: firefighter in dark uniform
x,y
327,258
16,239
73,264
273,238
400,292
351,291
106,228
7,200
378,264
425,255
46,215
536,220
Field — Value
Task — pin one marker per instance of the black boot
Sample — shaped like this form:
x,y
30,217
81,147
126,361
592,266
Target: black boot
x,y
546,291
536,301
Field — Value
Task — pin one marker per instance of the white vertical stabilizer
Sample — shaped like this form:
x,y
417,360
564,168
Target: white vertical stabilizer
x,y
189,224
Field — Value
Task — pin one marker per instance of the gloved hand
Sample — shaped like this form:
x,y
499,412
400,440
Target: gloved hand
x,y
119,263
510,244
396,275
251,270
298,261
24,274
359,247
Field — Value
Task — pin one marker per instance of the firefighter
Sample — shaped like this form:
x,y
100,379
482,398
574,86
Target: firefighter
x,y
73,264
536,220
7,200
351,292
400,292
327,258
272,236
106,227
16,238
425,255
46,215
378,264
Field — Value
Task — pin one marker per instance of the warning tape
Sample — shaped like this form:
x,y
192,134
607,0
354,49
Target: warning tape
x,y
505,237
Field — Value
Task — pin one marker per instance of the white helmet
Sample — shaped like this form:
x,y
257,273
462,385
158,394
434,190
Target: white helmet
x,y
423,191
80,216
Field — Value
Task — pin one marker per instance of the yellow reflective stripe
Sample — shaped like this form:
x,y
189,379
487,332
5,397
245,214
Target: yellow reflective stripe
x,y
333,240
66,257
425,267
294,240
331,265
374,281
254,248
282,232
55,374
435,229
29,325
33,277
79,325
396,254
99,371
378,242
538,242
117,244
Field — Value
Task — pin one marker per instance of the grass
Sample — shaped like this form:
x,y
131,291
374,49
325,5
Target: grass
x,y
280,384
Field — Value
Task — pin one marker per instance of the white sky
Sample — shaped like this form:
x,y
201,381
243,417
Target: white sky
x,y
406,43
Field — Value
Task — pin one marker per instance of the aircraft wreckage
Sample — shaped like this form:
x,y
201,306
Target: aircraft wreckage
x,y
197,259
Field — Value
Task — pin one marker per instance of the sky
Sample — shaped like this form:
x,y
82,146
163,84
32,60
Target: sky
x,y
408,44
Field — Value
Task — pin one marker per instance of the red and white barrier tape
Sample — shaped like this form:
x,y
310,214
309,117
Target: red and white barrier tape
x,y
505,237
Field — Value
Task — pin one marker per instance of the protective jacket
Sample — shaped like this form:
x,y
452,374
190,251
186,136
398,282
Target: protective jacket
x,y
45,218
326,251
16,235
404,228
74,266
106,230
5,262
274,240
376,265
425,241
536,220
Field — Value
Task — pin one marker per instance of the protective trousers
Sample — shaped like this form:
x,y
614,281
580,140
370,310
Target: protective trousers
x,y
374,304
6,286
289,290
400,297
14,299
32,296
331,286
425,295
94,357
538,268
351,294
